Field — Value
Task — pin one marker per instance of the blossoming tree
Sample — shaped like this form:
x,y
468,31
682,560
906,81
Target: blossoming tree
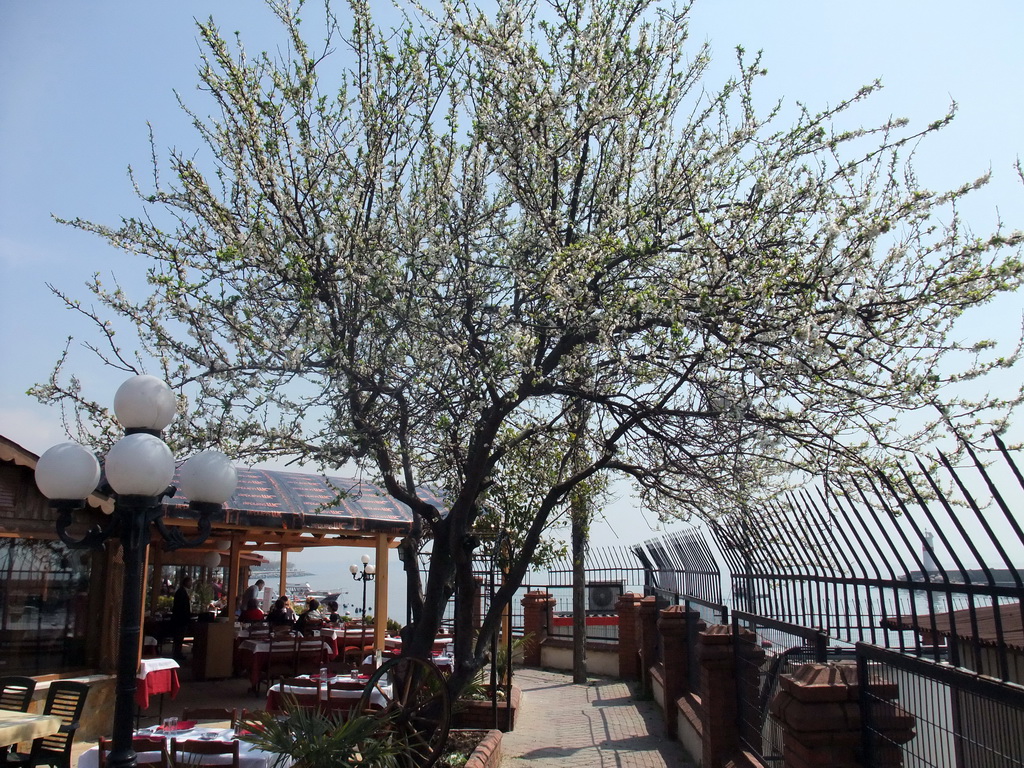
x,y
428,252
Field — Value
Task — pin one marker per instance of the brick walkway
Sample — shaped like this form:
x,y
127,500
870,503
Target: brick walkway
x,y
599,724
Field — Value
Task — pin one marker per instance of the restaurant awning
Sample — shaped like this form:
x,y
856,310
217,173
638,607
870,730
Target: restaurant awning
x,y
290,501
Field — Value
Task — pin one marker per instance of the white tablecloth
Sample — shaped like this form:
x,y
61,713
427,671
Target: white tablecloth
x,y
380,697
350,635
155,665
263,646
248,756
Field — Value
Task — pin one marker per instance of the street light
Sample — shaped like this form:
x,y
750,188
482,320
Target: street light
x,y
367,574
139,469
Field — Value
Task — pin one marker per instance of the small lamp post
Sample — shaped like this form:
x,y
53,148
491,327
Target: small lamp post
x,y
139,469
366,574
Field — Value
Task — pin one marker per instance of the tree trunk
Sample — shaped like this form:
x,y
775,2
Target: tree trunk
x,y
579,585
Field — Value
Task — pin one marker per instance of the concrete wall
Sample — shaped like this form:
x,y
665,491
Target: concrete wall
x,y
603,662
98,715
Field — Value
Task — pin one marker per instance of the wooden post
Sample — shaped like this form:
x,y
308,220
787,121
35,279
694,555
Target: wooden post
x,y
146,549
156,557
283,579
380,594
234,567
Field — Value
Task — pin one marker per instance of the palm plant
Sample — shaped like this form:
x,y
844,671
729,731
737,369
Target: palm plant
x,y
307,738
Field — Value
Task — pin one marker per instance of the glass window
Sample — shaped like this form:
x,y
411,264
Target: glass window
x,y
44,606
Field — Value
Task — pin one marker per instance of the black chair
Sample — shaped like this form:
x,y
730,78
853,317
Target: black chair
x,y
66,699
16,693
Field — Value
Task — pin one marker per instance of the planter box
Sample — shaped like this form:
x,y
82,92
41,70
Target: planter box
x,y
487,753
471,713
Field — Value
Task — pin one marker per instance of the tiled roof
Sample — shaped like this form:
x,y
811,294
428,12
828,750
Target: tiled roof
x,y
960,623
294,500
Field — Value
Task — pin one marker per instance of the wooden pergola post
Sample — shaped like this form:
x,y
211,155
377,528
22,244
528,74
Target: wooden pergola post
x,y
380,593
234,566
156,556
283,580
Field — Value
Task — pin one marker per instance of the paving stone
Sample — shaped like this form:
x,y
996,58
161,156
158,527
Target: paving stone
x,y
597,724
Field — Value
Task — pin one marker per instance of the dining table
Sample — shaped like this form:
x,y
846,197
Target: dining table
x,y
253,654
17,727
343,687
156,677
441,643
248,755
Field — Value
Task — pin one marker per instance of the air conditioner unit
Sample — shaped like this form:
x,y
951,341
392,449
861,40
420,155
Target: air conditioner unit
x,y
603,595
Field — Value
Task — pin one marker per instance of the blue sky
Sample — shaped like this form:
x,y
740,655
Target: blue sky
x,y
79,81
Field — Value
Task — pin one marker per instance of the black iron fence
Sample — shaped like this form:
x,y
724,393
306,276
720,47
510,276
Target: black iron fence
x,y
929,563
776,648
925,714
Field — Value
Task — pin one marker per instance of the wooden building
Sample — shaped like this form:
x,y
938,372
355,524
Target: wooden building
x,y
59,607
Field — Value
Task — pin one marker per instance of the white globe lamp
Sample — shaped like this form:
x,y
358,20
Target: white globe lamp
x,y
145,402
140,464
211,559
67,471
209,477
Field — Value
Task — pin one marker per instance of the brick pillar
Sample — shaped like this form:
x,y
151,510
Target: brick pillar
x,y
648,640
628,608
718,687
675,626
672,626
818,707
538,611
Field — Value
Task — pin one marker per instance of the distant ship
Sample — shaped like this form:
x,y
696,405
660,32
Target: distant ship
x,y
271,574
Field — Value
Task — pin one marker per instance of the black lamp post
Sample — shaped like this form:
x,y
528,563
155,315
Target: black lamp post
x,y
139,469
368,573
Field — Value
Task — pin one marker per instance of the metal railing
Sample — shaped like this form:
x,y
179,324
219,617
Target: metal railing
x,y
777,648
909,563
925,714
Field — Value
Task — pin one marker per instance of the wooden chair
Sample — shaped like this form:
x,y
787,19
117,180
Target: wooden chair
x,y
310,656
198,752
66,699
16,692
303,692
256,629
281,659
336,706
350,648
210,715
149,750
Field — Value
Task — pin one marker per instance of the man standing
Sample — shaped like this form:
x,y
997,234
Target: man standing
x,y
181,615
255,592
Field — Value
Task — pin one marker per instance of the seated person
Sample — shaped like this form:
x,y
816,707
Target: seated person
x,y
252,612
333,617
282,613
311,620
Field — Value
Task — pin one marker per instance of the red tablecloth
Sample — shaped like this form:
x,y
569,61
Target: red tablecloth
x,y
153,682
